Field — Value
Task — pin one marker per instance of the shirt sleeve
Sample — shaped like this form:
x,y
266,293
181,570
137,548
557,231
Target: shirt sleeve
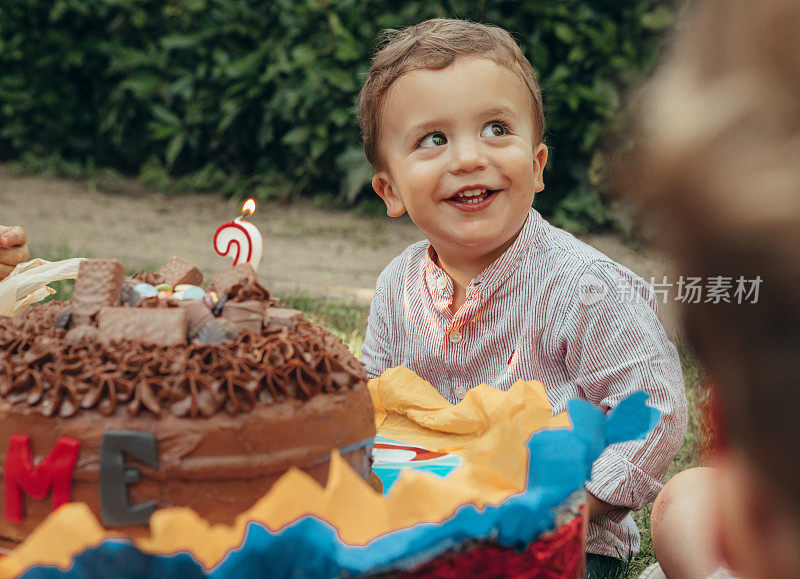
x,y
375,353
615,345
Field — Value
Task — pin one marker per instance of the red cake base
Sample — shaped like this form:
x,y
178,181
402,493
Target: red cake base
x,y
559,554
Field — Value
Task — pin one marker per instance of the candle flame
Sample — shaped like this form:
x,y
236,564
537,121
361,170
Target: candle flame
x,y
249,207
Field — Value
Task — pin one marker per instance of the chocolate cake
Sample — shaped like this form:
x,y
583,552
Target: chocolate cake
x,y
131,401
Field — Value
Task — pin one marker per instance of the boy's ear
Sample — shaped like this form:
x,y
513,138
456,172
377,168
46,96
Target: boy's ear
x,y
539,161
384,187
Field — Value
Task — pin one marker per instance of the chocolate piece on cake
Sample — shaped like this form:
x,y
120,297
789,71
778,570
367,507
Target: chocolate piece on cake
x,y
129,295
212,333
217,309
231,330
64,318
239,275
248,315
197,314
83,333
162,326
152,277
99,284
282,318
178,271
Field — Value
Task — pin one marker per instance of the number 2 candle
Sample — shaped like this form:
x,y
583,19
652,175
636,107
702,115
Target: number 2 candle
x,y
240,239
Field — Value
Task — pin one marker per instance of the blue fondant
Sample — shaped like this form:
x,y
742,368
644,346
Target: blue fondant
x,y
121,560
631,419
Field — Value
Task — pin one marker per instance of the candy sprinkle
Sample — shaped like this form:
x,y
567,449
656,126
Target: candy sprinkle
x,y
145,290
193,292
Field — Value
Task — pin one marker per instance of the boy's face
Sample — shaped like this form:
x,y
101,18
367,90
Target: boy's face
x,y
460,155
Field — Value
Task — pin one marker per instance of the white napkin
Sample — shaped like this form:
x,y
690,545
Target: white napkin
x,y
27,283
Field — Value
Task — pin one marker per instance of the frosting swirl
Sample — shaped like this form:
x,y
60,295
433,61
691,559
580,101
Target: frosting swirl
x,y
41,370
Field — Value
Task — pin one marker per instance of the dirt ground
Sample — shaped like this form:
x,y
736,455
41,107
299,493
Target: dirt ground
x,y
306,248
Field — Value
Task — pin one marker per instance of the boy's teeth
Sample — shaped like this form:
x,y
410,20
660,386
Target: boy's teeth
x,y
471,196
471,192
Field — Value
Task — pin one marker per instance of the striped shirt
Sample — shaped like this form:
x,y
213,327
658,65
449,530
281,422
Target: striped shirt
x,y
554,309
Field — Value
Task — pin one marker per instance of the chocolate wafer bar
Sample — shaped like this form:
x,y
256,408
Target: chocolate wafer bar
x,y
179,271
248,315
241,274
197,314
99,283
285,317
162,326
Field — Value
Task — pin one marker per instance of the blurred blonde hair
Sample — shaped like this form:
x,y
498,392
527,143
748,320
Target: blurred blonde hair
x,y
434,44
716,170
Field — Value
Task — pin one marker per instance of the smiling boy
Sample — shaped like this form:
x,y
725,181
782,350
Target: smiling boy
x,y
451,116
470,193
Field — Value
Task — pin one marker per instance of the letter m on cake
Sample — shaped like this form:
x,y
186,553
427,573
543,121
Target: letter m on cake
x,y
54,472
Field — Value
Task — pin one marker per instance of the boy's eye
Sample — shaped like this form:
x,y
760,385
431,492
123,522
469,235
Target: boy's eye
x,y
432,140
494,129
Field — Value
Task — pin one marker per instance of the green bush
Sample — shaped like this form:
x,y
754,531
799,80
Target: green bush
x,y
232,94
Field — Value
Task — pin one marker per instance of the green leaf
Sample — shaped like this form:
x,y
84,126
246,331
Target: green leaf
x,y
573,101
357,173
174,149
347,49
165,115
130,58
564,33
341,117
303,55
250,65
183,87
296,136
658,19
180,41
144,85
161,132
341,79
317,148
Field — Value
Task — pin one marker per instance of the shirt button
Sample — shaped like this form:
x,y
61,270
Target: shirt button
x,y
460,391
441,283
455,336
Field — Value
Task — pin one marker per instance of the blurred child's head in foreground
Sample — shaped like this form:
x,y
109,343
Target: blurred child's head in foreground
x,y
716,169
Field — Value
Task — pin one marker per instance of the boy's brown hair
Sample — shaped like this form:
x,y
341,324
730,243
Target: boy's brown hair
x,y
435,44
715,168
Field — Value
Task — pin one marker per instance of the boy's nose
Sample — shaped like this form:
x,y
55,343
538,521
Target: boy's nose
x,y
467,155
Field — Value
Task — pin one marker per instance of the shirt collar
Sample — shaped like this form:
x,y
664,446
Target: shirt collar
x,y
440,284
502,267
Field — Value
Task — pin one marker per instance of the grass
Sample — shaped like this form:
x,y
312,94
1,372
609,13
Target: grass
x,y
687,457
374,234
349,323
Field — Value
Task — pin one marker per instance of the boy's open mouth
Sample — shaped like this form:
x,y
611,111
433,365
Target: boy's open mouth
x,y
473,196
